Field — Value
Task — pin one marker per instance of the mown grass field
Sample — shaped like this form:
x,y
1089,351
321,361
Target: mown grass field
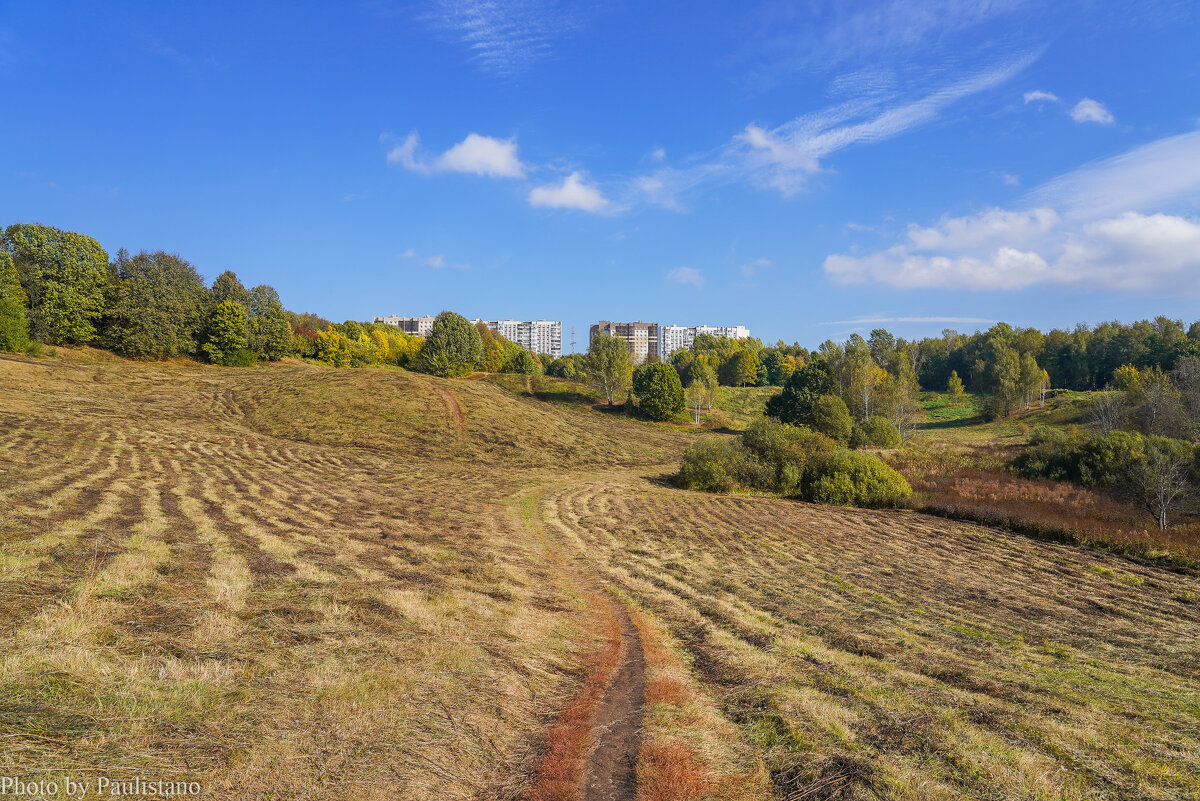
x,y
294,582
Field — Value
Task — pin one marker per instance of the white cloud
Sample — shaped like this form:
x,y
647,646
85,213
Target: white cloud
x,y
687,276
1154,177
1126,224
786,156
478,155
1088,110
404,153
1011,180
437,262
483,155
572,193
1038,95
751,269
658,154
504,38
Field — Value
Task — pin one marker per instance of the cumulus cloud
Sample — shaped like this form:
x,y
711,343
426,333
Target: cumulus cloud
x,y
687,276
572,193
477,155
1124,224
1037,96
1088,110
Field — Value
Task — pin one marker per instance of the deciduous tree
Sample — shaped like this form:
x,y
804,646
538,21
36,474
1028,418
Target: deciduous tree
x,y
64,275
608,365
14,324
453,347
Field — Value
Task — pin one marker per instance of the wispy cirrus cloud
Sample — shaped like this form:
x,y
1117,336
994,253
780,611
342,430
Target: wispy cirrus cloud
x,y
803,37
785,157
1040,96
504,37
1123,224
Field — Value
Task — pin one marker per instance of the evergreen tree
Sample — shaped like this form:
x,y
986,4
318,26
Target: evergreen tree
x,y
658,391
453,347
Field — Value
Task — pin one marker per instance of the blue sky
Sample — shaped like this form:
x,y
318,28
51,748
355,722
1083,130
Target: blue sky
x,y
805,169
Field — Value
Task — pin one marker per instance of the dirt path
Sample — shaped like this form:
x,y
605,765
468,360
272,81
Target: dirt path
x,y
607,769
611,770
453,409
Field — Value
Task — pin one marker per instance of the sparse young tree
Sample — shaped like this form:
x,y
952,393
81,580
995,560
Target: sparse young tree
x,y
695,398
1109,411
608,365
898,399
954,388
1162,477
703,374
1043,386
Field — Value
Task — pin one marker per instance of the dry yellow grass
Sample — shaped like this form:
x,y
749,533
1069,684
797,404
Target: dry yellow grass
x,y
291,582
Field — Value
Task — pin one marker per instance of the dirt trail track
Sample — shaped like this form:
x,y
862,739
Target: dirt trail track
x,y
611,772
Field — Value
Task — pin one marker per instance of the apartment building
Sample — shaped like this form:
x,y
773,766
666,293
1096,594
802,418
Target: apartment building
x,y
642,338
538,336
681,337
417,326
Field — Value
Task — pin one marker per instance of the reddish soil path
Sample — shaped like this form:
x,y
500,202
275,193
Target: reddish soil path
x,y
610,773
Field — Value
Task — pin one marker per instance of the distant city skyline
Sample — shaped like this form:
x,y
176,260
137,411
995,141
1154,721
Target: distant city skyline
x,y
808,170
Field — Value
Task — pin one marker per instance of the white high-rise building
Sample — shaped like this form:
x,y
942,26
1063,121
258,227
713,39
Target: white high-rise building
x,y
680,337
538,336
418,326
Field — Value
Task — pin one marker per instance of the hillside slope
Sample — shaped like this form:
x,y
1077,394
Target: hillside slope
x,y
309,583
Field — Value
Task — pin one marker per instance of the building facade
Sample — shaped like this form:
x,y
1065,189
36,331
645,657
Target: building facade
x,y
681,337
538,336
642,338
417,326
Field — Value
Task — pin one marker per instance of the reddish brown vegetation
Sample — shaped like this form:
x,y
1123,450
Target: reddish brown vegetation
x,y
670,772
561,769
974,485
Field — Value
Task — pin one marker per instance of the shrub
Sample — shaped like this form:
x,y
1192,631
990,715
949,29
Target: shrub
x,y
831,417
523,363
658,391
787,450
712,465
875,432
849,478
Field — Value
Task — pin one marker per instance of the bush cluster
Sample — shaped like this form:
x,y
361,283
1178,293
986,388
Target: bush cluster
x,y
794,461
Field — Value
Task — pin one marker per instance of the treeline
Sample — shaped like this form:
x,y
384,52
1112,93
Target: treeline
x,y
61,288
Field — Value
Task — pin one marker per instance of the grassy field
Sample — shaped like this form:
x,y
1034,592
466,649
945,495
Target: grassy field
x,y
295,582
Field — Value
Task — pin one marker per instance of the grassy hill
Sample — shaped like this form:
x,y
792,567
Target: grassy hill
x,y
289,581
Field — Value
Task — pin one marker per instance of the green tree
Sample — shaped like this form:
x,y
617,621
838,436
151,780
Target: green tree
x,y
794,405
831,417
64,275
226,286
779,367
156,309
703,374
740,369
608,365
14,324
227,335
453,347
523,363
492,357
270,334
658,391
